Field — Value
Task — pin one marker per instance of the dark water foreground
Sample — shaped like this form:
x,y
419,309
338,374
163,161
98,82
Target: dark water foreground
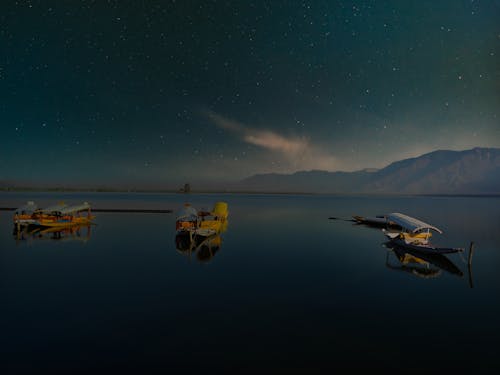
x,y
283,290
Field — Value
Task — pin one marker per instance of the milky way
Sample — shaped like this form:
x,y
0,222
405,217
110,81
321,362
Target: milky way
x,y
140,94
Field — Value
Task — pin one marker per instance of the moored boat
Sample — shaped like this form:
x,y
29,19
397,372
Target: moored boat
x,y
415,234
213,222
63,215
24,214
379,221
187,220
191,222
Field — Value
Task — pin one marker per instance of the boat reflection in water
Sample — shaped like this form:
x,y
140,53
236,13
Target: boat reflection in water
x,y
421,264
410,247
203,247
36,233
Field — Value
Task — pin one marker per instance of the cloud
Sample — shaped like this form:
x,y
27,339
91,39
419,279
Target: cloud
x,y
298,152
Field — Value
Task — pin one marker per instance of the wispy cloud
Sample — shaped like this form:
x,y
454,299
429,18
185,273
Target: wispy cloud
x,y
298,152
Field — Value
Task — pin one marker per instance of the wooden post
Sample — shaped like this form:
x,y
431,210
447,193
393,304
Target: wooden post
x,y
469,262
471,252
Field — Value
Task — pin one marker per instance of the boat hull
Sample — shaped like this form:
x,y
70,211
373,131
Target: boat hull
x,y
53,222
375,222
423,248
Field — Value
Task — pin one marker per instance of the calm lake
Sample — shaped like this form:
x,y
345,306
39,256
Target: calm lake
x,y
284,289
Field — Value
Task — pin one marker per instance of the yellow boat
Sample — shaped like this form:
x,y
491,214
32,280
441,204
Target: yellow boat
x,y
415,234
213,222
64,216
24,215
191,222
187,220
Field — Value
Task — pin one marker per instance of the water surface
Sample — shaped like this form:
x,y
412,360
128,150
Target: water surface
x,y
287,290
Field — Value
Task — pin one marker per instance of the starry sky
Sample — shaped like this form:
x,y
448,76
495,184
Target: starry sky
x,y
154,94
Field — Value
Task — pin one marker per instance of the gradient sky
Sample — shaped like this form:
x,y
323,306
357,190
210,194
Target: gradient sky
x,y
158,93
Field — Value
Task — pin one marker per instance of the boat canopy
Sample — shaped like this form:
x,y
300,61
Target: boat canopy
x,y
28,208
54,208
71,209
187,212
409,223
220,209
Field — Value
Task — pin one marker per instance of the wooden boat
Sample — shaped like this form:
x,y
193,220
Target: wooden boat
x,y
415,234
24,214
213,222
63,215
191,222
375,221
187,220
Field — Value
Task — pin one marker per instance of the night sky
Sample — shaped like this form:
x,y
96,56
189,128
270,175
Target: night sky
x,y
158,93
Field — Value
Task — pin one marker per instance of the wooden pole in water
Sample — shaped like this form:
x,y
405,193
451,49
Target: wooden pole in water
x,y
471,251
469,262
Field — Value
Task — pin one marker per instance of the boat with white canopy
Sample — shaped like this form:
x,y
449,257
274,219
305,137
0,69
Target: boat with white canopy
x,y
62,215
24,214
414,234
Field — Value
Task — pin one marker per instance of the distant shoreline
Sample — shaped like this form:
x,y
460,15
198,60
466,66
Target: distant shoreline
x,y
194,192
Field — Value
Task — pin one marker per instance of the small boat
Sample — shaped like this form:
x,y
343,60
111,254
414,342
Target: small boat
x,y
374,221
203,223
199,232
24,215
187,220
213,222
191,222
63,215
415,234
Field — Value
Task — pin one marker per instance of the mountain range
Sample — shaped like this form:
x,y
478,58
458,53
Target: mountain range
x,y
474,171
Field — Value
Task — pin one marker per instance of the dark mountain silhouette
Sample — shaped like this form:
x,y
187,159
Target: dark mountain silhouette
x,y
475,171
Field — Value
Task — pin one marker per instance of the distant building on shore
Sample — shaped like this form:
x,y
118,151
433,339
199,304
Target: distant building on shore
x,y
186,189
